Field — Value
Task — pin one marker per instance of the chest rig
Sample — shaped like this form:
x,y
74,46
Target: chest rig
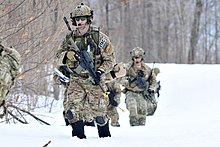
x,y
90,43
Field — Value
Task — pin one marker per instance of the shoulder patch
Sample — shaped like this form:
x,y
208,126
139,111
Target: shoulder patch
x,y
102,43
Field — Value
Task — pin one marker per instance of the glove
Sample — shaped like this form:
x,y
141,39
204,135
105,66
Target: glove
x,y
140,73
118,71
111,97
72,56
140,83
150,91
98,77
65,70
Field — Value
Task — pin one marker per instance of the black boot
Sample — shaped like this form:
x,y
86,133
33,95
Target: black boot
x,y
104,130
78,129
92,124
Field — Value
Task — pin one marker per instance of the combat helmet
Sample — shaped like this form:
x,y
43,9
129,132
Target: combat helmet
x,y
137,52
81,11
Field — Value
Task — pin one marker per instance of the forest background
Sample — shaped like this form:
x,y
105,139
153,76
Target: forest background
x,y
170,31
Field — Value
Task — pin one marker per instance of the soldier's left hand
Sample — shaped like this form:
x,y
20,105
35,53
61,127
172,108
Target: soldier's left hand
x,y
151,91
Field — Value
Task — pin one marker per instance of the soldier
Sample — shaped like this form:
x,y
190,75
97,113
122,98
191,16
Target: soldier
x,y
84,99
139,79
114,86
9,70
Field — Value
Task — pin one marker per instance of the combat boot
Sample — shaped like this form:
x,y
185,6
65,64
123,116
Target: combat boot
x,y
133,121
142,121
78,129
115,124
104,130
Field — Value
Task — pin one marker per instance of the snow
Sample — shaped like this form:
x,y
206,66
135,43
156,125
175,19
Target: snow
x,y
188,115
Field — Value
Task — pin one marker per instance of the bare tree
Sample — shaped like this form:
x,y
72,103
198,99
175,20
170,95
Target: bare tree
x,y
195,31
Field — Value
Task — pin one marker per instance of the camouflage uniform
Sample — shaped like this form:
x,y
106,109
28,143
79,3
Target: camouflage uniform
x,y
9,70
112,110
84,100
135,101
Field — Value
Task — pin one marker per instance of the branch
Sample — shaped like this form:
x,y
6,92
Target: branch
x,y
18,119
47,143
17,108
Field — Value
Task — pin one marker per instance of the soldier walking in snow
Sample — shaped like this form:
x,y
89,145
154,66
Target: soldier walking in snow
x,y
140,85
85,98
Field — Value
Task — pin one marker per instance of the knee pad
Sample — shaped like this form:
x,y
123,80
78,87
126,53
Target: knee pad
x,y
101,120
142,111
71,116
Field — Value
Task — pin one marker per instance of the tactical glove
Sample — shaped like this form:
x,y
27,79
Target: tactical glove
x,y
150,91
140,82
65,70
118,71
111,96
140,73
98,77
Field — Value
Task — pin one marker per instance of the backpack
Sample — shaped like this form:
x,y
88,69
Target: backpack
x,y
9,66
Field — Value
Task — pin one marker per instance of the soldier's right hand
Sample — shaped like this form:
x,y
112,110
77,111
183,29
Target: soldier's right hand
x,y
98,77
111,96
151,91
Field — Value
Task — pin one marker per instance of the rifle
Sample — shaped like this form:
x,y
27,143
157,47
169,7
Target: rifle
x,y
85,61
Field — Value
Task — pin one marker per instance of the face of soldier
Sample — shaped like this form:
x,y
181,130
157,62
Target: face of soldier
x,y
137,61
81,22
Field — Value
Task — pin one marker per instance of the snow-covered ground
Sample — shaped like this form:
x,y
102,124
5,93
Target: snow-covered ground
x,y
188,115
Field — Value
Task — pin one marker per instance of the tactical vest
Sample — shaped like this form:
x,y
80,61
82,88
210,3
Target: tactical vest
x,y
90,43
132,74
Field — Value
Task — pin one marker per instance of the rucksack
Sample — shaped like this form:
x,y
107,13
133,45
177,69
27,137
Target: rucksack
x,y
9,66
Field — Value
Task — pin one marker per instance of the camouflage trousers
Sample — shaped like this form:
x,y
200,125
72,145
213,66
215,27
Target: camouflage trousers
x,y
113,114
85,101
3,92
137,107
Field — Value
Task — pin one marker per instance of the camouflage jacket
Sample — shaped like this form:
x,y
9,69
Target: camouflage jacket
x,y
97,45
132,72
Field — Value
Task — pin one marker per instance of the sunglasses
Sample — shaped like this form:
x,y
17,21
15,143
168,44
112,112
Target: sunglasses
x,y
137,57
80,18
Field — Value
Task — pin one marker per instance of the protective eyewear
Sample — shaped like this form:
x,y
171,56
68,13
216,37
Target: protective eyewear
x,y
137,57
80,18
